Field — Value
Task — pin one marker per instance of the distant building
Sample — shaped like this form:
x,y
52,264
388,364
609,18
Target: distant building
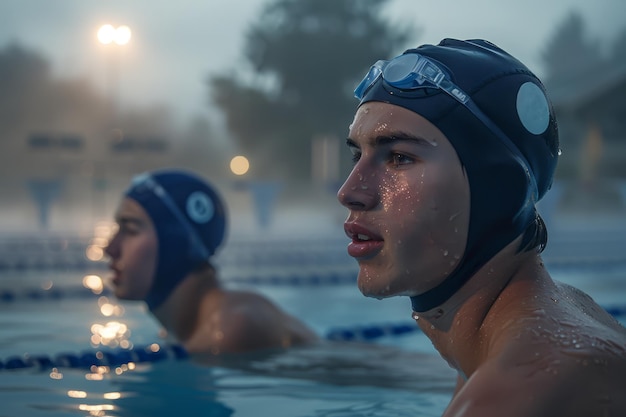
x,y
591,112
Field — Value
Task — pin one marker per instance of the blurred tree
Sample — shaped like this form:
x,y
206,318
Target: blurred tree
x,y
33,102
22,74
197,149
41,115
569,54
586,80
306,56
61,143
618,50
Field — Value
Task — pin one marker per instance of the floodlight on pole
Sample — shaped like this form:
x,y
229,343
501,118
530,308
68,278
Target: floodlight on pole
x,y
108,34
118,36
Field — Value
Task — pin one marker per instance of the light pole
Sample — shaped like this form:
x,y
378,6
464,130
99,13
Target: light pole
x,y
114,39
109,35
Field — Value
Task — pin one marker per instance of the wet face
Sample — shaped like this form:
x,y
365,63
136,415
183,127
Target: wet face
x,y
133,252
408,201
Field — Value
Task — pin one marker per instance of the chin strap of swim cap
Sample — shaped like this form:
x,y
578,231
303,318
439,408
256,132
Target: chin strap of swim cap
x,y
189,218
506,140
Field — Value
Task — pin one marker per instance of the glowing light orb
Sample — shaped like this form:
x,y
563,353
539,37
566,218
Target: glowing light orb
x,y
108,34
239,165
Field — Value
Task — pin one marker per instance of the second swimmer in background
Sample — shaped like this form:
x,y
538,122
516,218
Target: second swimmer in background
x,y
171,222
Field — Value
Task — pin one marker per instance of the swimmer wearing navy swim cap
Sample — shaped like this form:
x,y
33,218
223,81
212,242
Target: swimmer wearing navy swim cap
x,y
171,223
453,145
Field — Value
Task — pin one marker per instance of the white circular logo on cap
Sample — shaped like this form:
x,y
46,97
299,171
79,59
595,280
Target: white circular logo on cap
x,y
532,108
200,207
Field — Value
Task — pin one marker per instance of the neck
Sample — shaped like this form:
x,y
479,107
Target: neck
x,y
464,319
178,314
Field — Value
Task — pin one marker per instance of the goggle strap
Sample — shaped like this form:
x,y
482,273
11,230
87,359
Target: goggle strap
x,y
517,154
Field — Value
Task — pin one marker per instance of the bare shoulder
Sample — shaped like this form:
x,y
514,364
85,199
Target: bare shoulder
x,y
246,321
546,376
583,303
558,385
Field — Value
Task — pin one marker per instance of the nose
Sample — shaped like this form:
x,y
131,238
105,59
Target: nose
x,y
358,192
113,248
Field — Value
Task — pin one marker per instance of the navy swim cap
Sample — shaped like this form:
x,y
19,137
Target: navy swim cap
x,y
509,152
190,222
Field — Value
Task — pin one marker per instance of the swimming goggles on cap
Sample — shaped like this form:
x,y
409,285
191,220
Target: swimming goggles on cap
x,y
413,71
146,183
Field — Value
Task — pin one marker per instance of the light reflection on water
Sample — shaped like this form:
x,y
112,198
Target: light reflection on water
x,y
181,388
395,377
345,379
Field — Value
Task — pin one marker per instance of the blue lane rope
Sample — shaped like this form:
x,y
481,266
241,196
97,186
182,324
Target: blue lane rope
x,y
78,291
116,357
371,332
89,358
555,263
52,294
377,331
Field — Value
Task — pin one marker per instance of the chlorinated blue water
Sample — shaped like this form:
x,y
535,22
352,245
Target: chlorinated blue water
x,y
333,378
50,313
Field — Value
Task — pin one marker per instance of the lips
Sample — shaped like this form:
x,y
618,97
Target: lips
x,y
365,243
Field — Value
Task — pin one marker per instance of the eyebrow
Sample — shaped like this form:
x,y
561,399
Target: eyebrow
x,y
391,138
126,220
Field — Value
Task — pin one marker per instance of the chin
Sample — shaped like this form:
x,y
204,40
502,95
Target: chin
x,y
374,291
119,295
122,294
381,290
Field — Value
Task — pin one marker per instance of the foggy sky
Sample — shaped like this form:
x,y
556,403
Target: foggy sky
x,y
177,45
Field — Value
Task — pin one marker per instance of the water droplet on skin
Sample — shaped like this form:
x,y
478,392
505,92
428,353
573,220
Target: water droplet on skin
x,y
366,110
364,187
539,312
445,253
559,152
415,316
432,327
381,127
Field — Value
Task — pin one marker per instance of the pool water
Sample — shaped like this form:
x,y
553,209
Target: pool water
x,y
394,375
329,379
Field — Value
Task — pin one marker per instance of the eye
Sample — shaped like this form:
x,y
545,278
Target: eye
x,y
128,229
398,159
356,154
